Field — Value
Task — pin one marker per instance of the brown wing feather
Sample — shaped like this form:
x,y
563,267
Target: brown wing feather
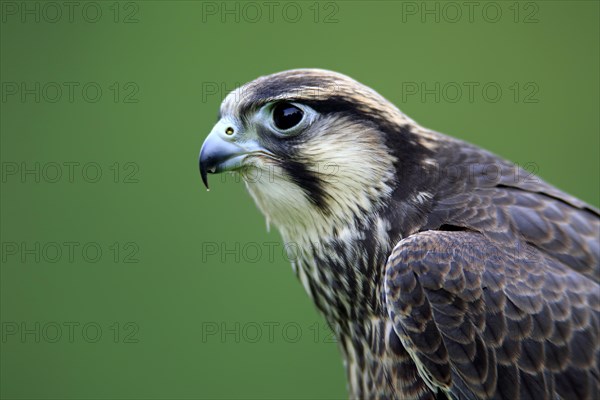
x,y
483,320
510,205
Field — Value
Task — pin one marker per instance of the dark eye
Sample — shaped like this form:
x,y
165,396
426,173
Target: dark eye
x,y
286,116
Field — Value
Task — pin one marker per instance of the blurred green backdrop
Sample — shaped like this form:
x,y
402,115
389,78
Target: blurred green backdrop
x,y
122,277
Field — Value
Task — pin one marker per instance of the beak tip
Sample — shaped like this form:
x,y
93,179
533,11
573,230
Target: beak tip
x,y
204,175
205,182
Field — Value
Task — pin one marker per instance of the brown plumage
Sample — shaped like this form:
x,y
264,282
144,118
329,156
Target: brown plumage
x,y
444,270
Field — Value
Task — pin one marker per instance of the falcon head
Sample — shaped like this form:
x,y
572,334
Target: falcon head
x,y
316,149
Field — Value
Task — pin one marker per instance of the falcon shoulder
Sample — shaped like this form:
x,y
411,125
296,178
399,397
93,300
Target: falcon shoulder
x,y
484,320
481,192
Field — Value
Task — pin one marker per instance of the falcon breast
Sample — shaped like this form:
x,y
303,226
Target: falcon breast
x,y
444,270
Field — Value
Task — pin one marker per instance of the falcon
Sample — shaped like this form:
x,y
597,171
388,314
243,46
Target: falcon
x,y
445,271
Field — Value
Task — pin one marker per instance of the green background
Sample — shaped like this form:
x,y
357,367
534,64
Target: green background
x,y
168,59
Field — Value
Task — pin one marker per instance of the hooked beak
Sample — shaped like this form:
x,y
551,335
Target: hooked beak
x,y
222,152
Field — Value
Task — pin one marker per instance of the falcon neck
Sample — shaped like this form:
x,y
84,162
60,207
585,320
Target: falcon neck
x,y
343,273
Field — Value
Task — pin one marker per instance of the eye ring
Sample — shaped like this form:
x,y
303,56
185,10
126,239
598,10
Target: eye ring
x,y
286,116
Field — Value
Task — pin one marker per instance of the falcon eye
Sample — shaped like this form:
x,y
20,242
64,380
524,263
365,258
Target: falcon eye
x,y
286,116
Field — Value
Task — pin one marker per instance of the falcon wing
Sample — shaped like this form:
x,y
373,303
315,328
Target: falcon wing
x,y
485,321
508,204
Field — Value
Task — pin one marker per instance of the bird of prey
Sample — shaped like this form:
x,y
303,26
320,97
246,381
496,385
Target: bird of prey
x,y
445,271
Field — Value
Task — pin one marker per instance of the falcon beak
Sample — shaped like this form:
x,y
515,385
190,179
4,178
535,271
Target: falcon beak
x,y
223,151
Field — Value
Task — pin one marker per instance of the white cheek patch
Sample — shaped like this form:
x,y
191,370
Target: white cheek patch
x,y
279,199
354,170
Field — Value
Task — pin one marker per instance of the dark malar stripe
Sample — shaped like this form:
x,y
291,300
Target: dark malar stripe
x,y
309,181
